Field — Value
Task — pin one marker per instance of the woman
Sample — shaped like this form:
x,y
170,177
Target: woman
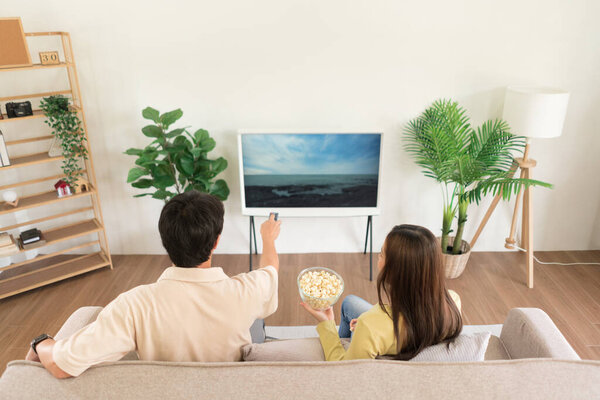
x,y
415,310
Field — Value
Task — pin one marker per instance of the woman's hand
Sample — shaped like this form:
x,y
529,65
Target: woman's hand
x,y
325,315
353,324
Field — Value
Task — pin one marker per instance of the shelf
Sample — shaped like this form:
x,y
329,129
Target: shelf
x,y
34,181
36,66
49,271
40,199
30,159
46,218
34,95
29,140
67,232
36,114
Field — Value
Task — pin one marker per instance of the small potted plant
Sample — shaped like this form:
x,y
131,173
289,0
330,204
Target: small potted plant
x,y
468,163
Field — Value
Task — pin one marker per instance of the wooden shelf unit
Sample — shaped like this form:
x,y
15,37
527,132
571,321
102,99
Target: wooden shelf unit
x,y
54,264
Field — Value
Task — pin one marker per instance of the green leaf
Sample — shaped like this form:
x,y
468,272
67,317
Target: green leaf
x,y
220,190
167,119
163,181
142,195
152,131
200,135
207,144
175,132
134,152
142,184
219,165
136,173
187,165
151,114
196,152
182,141
160,194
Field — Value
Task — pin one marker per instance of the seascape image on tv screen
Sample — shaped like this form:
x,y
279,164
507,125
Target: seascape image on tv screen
x,y
310,170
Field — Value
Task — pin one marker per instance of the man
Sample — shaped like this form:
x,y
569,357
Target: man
x,y
194,312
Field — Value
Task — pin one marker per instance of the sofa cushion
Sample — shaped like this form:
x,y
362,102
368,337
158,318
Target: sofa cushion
x,y
464,348
496,350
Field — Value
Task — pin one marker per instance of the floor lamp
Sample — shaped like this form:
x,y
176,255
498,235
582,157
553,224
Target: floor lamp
x,y
534,113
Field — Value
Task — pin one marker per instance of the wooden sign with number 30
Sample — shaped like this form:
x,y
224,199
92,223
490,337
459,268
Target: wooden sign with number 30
x,y
49,57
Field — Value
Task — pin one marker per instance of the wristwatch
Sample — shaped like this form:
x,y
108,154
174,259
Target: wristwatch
x,y
39,340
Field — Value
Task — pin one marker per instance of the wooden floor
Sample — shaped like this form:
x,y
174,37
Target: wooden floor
x,y
492,284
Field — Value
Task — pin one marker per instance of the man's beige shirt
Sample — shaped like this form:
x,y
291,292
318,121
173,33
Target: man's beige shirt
x,y
189,314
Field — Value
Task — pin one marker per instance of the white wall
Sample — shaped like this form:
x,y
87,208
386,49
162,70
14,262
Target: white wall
x,y
333,64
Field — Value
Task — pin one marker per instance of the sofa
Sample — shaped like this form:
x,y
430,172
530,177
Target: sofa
x,y
529,359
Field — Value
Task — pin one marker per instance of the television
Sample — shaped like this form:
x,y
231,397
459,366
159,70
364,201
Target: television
x,y
299,173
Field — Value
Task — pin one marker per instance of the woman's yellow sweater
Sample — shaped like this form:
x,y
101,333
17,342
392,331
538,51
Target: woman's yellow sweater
x,y
373,335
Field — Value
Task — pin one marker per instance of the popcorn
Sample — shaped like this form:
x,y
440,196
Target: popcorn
x,y
320,289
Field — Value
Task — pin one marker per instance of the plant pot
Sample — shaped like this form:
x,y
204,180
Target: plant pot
x,y
454,264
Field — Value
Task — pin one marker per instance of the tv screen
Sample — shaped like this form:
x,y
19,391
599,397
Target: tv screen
x,y
310,173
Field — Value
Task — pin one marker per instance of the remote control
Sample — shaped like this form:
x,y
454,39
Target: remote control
x,y
275,214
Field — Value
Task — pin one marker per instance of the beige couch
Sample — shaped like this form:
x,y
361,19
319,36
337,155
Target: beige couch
x,y
530,359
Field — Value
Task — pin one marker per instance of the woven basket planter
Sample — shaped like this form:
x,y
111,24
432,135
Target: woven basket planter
x,y
454,264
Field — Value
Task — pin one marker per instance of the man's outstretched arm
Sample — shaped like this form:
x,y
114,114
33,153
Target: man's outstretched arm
x,y
269,231
44,355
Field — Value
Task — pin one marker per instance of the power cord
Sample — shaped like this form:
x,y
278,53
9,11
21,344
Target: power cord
x,y
555,263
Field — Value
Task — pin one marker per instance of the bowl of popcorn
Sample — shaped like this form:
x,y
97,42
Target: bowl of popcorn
x,y
320,287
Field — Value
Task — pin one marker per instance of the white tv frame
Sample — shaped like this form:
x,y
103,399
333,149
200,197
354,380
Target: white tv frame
x,y
309,211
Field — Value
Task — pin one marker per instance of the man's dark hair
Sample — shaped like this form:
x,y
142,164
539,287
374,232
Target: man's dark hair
x,y
189,226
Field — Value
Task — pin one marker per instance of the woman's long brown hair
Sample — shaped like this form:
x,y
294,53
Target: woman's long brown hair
x,y
412,279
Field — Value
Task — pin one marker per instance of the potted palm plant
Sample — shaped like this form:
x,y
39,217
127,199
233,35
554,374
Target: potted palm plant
x,y
468,163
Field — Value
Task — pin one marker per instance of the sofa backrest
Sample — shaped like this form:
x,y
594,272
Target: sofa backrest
x,y
530,379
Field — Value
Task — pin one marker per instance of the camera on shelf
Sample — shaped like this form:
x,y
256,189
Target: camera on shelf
x,y
19,109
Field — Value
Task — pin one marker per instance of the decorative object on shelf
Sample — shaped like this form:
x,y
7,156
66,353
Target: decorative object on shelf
x,y
534,113
49,57
4,158
175,161
8,246
469,163
14,51
62,188
18,109
10,197
81,185
30,236
66,126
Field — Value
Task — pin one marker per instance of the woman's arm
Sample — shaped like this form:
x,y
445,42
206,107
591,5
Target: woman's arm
x,y
362,346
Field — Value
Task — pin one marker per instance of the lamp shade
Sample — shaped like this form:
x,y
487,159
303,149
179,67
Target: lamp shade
x,y
535,112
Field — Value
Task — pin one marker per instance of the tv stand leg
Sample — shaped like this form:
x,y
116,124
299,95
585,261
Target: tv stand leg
x,y
369,231
252,237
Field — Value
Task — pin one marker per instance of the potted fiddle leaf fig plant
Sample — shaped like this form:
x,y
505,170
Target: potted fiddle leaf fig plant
x,y
468,163
176,160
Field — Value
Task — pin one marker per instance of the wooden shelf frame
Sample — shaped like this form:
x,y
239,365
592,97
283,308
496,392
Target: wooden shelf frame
x,y
52,267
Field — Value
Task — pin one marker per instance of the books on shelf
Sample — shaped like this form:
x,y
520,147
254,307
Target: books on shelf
x,y
33,245
31,236
4,160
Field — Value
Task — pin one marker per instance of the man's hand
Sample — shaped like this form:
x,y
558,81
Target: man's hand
x,y
269,231
325,315
31,356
